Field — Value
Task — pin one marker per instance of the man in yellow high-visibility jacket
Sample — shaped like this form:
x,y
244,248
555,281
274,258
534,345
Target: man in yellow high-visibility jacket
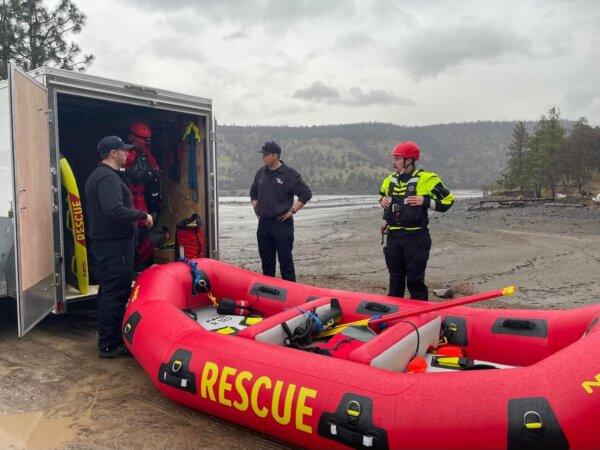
x,y
406,196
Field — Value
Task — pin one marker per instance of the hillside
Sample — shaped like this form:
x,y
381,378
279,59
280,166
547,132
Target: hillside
x,y
354,158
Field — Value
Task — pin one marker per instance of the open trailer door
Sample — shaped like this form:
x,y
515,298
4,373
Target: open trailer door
x,y
33,196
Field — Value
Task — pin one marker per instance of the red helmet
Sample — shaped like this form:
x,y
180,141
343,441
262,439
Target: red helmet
x,y
407,149
140,129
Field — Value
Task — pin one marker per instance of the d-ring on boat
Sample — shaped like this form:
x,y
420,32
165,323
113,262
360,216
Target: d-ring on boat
x,y
324,368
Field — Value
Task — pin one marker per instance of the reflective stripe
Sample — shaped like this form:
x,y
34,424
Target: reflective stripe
x,y
406,229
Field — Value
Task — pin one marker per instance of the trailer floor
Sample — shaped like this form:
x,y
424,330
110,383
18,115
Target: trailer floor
x,y
56,393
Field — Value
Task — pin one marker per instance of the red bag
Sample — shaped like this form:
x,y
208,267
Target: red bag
x,y
340,346
189,238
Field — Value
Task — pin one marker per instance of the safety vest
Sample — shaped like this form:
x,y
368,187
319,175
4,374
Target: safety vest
x,y
402,216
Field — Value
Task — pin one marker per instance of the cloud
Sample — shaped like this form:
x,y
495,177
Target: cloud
x,y
251,11
435,51
317,91
377,97
240,34
170,47
352,41
352,61
320,92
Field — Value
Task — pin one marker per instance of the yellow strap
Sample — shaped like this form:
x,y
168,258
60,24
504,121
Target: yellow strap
x,y
392,228
213,299
191,127
533,426
339,328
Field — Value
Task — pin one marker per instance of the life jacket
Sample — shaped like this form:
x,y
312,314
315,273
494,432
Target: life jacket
x,y
399,213
143,180
140,171
189,238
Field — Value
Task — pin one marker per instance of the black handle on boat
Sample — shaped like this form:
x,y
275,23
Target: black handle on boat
x,y
268,290
372,306
519,324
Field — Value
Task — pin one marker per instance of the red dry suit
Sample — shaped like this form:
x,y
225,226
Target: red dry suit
x,y
138,198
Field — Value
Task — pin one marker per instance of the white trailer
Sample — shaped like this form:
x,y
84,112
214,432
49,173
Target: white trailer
x,y
50,112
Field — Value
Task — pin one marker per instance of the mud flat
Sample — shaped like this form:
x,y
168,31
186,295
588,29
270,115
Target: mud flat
x,y
56,393
552,254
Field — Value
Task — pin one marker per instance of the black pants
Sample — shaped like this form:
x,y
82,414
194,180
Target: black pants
x,y
114,265
406,256
276,238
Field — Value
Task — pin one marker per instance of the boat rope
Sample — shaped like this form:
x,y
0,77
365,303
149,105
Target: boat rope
x,y
313,316
418,337
301,337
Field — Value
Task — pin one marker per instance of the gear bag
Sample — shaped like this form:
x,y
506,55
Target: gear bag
x,y
189,238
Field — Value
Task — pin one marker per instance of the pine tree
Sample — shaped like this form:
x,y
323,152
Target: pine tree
x,y
578,154
33,35
545,145
516,171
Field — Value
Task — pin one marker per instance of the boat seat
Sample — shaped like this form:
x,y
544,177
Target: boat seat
x,y
270,329
395,347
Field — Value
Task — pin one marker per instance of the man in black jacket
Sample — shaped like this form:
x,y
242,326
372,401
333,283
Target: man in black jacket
x,y
112,224
272,195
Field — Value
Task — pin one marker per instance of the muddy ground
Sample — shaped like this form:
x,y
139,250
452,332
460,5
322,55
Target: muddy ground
x,y
56,393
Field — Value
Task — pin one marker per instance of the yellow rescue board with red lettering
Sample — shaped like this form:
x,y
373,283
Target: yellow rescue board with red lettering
x,y
78,261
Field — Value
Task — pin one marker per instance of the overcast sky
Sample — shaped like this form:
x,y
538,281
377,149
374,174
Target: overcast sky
x,y
305,62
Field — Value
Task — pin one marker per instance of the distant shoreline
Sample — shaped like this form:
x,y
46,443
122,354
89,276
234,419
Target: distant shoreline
x,y
245,192
242,197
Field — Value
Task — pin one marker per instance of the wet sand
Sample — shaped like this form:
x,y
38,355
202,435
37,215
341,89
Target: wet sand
x,y
550,253
56,393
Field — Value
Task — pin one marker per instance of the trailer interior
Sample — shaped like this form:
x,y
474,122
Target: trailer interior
x,y
83,121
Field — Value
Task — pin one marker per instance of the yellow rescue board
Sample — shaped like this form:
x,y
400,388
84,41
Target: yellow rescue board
x,y
78,263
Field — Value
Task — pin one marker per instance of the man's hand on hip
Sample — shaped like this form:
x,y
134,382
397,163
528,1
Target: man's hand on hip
x,y
285,216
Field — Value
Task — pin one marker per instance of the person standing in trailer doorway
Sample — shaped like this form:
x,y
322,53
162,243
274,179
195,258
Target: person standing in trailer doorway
x,y
113,229
142,174
272,196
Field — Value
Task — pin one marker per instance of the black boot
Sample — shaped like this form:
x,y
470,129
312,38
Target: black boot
x,y
119,351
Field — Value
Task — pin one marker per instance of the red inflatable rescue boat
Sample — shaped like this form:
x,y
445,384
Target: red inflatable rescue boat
x,y
323,368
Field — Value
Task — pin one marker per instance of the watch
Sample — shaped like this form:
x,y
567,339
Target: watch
x,y
292,210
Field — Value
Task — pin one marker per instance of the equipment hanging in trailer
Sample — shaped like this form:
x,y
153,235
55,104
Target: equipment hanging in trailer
x,y
52,113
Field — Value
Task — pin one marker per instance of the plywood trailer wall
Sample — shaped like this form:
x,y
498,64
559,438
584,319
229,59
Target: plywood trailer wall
x,y
178,200
32,164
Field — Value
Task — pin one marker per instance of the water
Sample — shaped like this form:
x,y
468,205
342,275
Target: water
x,y
237,217
344,200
